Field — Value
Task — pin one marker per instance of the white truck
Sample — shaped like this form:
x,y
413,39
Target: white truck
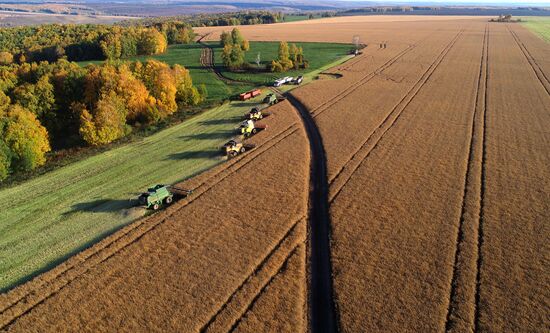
x,y
284,80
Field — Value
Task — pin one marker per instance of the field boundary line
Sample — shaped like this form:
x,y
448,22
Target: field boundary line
x,y
108,247
541,76
465,247
388,121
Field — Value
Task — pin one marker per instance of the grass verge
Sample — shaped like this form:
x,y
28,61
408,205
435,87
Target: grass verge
x,y
47,219
539,25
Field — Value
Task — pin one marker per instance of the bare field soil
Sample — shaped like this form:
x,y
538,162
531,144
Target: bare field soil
x,y
437,151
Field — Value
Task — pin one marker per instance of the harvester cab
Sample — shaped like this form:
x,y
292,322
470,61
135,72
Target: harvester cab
x,y
159,194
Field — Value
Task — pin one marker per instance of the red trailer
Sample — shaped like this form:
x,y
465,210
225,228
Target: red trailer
x,y
250,94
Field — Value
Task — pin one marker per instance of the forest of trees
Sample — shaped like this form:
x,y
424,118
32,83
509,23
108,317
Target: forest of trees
x,y
89,42
45,105
211,20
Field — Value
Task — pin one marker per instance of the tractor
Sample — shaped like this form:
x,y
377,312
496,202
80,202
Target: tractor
x,y
160,194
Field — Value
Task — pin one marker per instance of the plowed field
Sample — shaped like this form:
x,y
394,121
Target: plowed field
x,y
435,191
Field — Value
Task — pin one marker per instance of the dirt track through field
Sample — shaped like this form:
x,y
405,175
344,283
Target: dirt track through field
x,y
207,60
323,315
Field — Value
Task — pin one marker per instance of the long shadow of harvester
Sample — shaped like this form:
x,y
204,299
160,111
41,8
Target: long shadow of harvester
x,y
210,135
189,155
102,206
222,121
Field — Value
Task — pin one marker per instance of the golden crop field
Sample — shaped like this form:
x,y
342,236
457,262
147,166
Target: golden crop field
x,y
409,191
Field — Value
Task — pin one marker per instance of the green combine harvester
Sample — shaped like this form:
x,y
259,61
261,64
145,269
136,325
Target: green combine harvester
x,y
271,99
160,195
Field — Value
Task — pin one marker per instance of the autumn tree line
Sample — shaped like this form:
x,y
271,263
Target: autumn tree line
x,y
213,20
52,42
64,105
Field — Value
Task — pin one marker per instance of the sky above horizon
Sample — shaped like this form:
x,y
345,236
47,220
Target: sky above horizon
x,y
477,2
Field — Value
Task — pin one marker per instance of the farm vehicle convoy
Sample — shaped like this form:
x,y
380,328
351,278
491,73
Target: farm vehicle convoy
x,y
163,195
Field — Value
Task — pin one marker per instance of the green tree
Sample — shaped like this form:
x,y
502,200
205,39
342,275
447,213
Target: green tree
x,y
37,98
105,123
111,46
225,39
296,55
6,58
5,159
26,138
236,37
5,102
233,56
284,56
152,42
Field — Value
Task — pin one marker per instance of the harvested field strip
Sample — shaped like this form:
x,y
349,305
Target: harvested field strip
x,y
360,155
241,300
539,72
23,299
281,305
463,299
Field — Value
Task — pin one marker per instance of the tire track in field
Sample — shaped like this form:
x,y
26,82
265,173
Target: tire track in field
x,y
483,184
281,269
359,83
539,72
208,61
105,249
294,242
348,169
462,299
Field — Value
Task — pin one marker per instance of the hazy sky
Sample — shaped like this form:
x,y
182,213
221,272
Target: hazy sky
x,y
470,1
